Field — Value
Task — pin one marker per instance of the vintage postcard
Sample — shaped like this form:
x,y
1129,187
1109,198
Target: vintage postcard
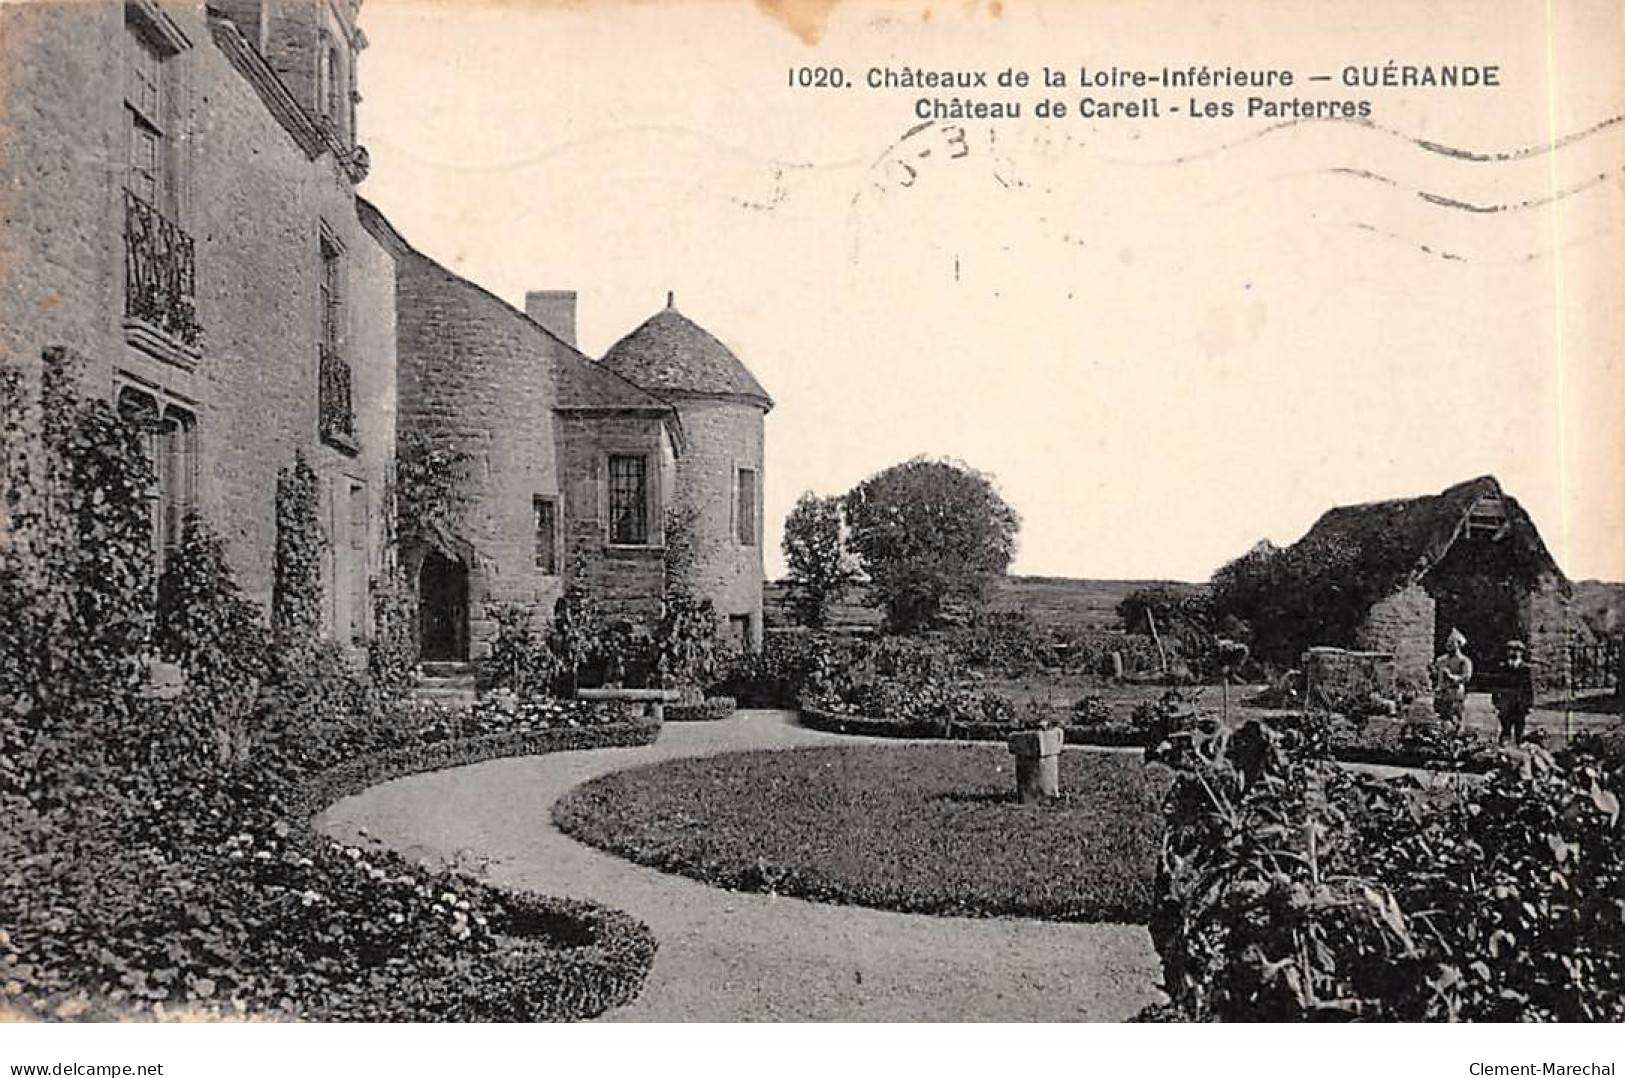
x,y
779,511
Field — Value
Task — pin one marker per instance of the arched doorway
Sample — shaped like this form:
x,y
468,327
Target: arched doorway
x,y
443,608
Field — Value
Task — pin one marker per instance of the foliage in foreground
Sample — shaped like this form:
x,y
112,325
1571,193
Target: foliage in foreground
x,y
156,854
924,829
1291,889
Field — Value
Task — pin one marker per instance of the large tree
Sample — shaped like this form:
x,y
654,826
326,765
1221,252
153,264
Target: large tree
x,y
930,533
820,570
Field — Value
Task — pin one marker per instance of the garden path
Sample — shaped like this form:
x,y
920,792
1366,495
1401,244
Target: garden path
x,y
727,956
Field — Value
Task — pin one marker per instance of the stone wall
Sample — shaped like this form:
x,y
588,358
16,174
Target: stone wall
x,y
722,436
1347,681
477,375
254,204
1402,626
627,582
1550,628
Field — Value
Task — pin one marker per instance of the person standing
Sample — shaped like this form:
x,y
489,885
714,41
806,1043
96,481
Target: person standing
x,y
1451,673
1516,698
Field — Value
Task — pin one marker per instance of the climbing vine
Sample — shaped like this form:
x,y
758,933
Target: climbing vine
x,y
296,585
75,583
686,638
430,488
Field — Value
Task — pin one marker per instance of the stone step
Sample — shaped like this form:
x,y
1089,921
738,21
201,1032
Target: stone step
x,y
440,669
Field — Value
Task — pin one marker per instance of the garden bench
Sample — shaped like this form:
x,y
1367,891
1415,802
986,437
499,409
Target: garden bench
x,y
653,701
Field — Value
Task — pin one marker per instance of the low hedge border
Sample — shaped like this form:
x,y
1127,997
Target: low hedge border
x,y
1107,736
353,776
711,709
602,963
605,954
832,722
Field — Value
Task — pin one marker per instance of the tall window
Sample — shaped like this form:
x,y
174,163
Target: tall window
x,y
336,414
145,102
171,436
629,500
332,299
745,507
358,562
545,517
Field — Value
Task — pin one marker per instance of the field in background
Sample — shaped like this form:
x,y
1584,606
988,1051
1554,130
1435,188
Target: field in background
x,y
1053,602
1072,604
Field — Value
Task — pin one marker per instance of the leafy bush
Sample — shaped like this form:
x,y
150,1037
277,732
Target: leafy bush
x,y
1004,640
520,660
709,709
1291,889
1091,711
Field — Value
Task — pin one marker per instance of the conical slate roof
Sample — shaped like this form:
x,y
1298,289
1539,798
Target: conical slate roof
x,y
671,354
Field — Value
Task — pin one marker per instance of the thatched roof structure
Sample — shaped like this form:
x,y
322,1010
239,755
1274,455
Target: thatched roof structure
x,y
1389,544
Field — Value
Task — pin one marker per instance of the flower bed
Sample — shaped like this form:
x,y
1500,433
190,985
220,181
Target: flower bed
x,y
219,901
710,709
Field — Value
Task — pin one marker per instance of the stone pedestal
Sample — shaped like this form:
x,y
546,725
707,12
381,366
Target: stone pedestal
x,y
1038,763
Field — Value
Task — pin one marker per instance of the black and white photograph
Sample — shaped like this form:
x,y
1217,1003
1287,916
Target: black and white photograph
x,y
1050,529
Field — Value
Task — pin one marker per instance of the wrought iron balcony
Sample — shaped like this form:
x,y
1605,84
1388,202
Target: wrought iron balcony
x,y
159,273
337,417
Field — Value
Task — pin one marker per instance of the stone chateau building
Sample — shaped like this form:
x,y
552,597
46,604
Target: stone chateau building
x,y
178,211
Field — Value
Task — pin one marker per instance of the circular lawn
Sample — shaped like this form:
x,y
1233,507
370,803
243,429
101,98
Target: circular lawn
x,y
918,828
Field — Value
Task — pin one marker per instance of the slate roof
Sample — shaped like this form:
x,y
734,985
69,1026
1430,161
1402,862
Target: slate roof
x,y
1399,540
580,383
669,354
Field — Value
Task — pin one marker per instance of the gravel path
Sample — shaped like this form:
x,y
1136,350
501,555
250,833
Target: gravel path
x,y
726,956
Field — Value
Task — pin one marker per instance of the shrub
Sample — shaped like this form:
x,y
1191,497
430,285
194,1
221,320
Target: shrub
x,y
520,660
1291,889
709,709
1005,640
1091,711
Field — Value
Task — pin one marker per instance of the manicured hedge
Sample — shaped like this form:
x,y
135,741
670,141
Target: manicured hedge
x,y
557,960
816,718
710,709
356,775
1385,750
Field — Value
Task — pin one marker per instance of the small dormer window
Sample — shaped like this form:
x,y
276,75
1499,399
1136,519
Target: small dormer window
x,y
1487,517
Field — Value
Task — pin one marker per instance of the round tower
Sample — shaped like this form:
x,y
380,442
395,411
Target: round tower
x,y
720,407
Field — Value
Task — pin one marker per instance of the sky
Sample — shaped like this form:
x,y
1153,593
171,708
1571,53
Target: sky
x,y
1164,338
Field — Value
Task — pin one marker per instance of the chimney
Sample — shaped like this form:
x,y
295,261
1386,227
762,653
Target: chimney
x,y
555,311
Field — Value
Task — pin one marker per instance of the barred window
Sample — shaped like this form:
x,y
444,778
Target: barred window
x,y
629,500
